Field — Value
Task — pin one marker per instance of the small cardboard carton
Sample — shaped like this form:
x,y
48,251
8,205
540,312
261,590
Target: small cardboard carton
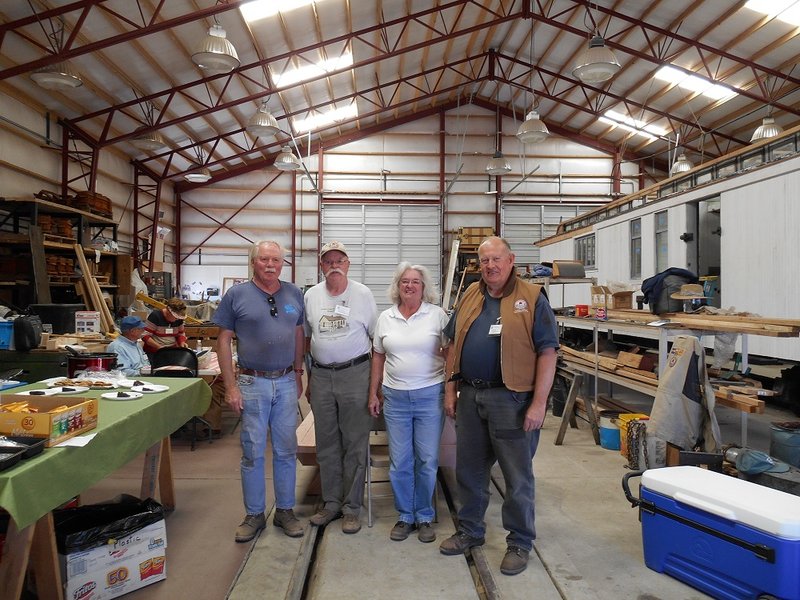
x,y
54,418
118,567
622,300
602,300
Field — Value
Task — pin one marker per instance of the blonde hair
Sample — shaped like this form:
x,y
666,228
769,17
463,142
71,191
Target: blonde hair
x,y
429,292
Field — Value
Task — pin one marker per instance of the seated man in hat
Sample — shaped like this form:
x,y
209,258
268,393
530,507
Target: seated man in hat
x,y
164,327
131,359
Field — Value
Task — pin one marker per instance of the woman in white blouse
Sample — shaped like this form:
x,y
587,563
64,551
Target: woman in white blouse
x,y
408,366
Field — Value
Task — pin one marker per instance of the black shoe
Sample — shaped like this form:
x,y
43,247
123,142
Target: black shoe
x,y
459,543
401,531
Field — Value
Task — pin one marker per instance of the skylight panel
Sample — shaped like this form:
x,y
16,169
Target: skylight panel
x,y
787,11
261,9
693,83
321,119
310,71
627,123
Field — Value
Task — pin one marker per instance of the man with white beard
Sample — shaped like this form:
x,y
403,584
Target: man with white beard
x,y
340,321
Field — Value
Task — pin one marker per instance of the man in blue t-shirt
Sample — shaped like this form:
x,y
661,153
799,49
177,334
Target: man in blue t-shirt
x,y
266,315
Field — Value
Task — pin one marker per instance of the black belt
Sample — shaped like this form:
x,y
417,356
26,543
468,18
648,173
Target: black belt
x,y
267,374
482,384
342,365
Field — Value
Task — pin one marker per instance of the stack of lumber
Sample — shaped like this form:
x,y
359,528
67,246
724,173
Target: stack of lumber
x,y
744,395
735,323
89,289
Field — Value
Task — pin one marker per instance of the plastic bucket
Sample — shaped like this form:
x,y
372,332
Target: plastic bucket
x,y
623,421
784,443
609,430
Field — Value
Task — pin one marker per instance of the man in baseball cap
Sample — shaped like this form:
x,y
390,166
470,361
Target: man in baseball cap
x,y
340,321
131,359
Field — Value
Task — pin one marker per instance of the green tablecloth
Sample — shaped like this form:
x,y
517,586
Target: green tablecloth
x,y
125,429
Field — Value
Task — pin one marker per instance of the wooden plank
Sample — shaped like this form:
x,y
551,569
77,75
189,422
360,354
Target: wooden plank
x,y
93,290
306,441
628,359
740,402
39,265
638,373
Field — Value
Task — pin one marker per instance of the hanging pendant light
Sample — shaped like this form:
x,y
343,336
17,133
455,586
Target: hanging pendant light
x,y
262,123
215,53
597,63
768,129
681,165
200,176
148,140
286,161
498,164
532,130
60,77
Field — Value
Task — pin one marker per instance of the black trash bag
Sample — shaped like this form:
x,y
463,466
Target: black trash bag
x,y
91,526
27,332
659,288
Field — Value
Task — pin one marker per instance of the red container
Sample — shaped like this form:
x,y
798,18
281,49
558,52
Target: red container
x,y
581,310
100,361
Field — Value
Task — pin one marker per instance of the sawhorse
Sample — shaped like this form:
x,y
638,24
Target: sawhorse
x,y
568,418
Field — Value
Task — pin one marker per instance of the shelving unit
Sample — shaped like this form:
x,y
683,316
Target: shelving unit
x,y
19,281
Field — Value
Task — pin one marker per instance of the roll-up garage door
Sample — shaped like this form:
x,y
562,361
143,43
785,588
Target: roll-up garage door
x,y
378,237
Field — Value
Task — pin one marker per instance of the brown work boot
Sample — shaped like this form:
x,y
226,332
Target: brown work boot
x,y
324,516
515,561
351,524
426,532
400,531
458,543
285,519
251,525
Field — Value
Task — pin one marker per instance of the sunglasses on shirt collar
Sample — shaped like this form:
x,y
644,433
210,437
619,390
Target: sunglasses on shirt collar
x,y
273,310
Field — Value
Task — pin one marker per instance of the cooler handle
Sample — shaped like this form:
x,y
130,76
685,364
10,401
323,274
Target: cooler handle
x,y
707,506
627,489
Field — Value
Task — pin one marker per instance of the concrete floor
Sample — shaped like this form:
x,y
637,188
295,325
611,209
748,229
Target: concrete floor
x,y
588,543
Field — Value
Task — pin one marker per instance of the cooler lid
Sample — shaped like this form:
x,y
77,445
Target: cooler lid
x,y
757,506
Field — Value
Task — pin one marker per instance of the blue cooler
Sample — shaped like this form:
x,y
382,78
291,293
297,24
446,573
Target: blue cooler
x,y
728,537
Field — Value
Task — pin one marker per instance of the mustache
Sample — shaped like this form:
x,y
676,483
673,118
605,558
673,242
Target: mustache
x,y
334,270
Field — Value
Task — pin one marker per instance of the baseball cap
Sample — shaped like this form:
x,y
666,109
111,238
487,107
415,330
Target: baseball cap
x,y
130,322
752,462
333,245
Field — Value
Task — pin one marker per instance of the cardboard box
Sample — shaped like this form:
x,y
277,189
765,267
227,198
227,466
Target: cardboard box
x,y
568,268
56,419
121,566
87,321
622,300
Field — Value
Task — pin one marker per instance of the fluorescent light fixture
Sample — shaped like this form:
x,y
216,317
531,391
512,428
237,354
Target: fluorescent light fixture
x,y
321,119
647,130
498,165
681,165
310,71
768,129
787,11
286,160
60,76
150,140
263,123
215,53
693,83
261,9
597,63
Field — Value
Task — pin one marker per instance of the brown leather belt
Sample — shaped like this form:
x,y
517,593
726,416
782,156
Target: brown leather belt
x,y
342,365
267,374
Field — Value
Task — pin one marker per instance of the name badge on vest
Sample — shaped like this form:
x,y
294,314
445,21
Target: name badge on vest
x,y
168,330
342,310
495,329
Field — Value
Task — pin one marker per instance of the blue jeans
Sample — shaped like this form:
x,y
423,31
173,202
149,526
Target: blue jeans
x,y
268,404
414,421
488,430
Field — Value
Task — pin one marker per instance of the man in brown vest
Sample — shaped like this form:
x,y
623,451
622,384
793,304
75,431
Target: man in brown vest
x,y
502,361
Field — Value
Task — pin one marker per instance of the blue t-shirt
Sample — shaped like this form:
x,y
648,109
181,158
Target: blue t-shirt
x,y
264,342
480,354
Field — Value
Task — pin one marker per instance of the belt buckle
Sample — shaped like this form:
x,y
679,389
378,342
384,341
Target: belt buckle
x,y
478,383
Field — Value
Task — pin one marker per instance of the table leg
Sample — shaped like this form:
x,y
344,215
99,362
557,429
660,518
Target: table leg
x,y
16,552
44,559
157,473
744,430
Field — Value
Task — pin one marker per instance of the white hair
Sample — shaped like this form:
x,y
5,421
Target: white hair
x,y
257,245
429,292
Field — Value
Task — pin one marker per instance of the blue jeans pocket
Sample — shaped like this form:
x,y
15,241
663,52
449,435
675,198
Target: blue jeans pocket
x,y
245,380
521,397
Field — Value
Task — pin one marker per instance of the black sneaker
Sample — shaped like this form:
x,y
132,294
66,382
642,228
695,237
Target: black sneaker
x,y
458,543
401,531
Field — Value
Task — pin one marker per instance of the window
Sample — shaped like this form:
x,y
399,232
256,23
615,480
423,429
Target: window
x,y
584,251
636,249
662,241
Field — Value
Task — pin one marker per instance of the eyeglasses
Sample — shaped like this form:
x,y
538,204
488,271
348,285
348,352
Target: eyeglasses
x,y
273,310
337,262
